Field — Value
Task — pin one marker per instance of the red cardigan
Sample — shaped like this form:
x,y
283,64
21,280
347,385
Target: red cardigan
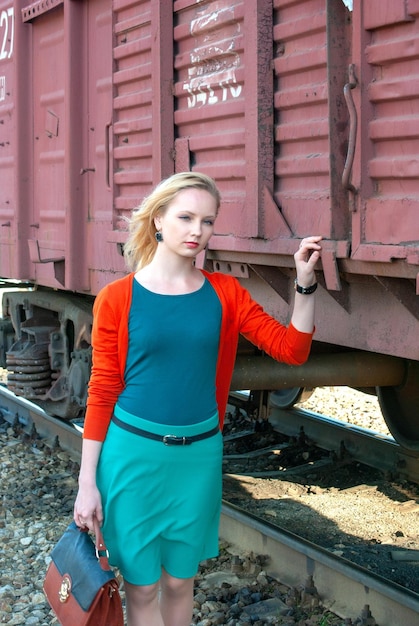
x,y
240,315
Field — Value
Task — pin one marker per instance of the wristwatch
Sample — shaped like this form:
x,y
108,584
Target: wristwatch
x,y
304,290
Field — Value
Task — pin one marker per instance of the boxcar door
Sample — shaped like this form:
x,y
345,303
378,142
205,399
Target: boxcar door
x,y
46,73
69,72
8,234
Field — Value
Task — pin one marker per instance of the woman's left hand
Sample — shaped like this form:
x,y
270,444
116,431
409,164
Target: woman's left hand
x,y
306,258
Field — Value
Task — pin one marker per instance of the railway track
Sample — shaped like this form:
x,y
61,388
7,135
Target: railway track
x,y
343,586
360,444
341,438
374,449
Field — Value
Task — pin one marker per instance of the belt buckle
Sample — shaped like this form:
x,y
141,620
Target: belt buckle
x,y
174,440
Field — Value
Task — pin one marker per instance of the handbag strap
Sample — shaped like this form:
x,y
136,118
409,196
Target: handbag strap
x,y
102,553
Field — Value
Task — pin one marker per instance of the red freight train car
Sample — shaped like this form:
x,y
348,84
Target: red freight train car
x,y
305,112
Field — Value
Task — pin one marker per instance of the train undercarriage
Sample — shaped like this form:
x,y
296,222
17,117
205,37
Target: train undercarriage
x,y
45,344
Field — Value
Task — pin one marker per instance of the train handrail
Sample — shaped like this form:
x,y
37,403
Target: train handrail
x,y
353,120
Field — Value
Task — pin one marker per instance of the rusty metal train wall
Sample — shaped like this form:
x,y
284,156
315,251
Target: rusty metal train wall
x,y
305,112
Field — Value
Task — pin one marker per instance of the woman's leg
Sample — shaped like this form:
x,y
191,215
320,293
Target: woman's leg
x,y
176,601
168,603
142,603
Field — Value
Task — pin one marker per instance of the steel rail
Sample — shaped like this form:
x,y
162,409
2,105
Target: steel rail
x,y
361,444
343,587
28,416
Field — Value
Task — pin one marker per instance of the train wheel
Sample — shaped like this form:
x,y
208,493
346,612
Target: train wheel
x,y
286,398
400,408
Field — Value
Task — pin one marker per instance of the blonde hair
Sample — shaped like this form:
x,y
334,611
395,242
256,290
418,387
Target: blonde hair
x,y
141,243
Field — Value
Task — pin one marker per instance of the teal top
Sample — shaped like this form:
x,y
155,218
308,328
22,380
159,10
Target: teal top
x,y
172,356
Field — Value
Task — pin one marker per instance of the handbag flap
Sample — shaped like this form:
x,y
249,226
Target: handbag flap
x,y
75,555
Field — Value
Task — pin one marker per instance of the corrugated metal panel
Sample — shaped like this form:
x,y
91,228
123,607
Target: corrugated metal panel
x,y
143,103
100,256
389,209
379,13
223,114
302,182
209,91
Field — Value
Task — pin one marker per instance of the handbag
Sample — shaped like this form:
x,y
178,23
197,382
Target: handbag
x,y
79,584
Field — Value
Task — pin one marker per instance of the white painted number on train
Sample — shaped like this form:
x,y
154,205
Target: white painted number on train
x,y
2,88
7,32
201,92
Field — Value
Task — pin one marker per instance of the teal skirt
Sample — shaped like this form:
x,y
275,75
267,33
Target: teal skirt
x,y
161,503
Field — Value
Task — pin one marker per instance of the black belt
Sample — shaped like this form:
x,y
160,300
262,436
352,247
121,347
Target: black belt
x,y
168,440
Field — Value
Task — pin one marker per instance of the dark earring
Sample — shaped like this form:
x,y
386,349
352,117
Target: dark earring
x,y
158,236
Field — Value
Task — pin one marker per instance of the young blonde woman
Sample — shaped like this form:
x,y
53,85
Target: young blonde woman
x,y
164,344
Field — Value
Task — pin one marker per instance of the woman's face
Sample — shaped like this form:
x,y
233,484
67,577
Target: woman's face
x,y
188,222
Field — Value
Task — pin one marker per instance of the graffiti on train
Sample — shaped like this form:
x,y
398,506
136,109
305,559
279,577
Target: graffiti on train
x,y
213,64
